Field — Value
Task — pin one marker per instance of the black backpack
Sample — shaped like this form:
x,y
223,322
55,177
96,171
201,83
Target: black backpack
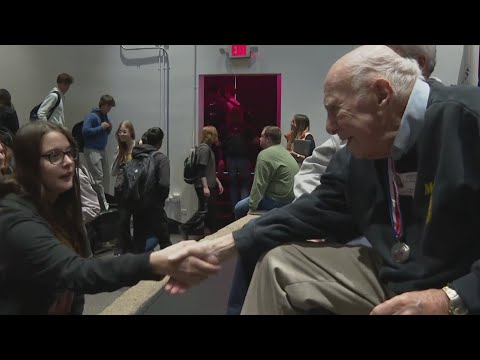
x,y
33,112
78,136
134,175
190,166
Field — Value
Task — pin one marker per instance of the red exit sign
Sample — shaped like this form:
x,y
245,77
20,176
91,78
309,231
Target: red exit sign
x,y
240,51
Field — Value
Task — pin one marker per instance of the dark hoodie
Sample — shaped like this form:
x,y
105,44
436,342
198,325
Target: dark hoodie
x,y
8,119
158,175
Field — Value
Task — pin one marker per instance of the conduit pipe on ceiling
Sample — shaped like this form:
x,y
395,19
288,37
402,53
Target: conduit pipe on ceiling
x,y
164,70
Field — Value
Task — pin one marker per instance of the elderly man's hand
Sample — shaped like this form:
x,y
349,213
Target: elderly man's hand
x,y
212,251
188,269
426,302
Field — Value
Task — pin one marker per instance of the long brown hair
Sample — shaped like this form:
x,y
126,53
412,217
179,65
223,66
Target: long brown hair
x,y
302,125
65,215
122,146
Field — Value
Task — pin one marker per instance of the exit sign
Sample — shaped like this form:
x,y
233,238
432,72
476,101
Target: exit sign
x,y
240,51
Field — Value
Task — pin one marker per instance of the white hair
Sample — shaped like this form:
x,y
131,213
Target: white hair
x,y
414,51
383,62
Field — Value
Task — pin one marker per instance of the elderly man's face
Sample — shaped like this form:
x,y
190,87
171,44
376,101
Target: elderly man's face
x,y
358,119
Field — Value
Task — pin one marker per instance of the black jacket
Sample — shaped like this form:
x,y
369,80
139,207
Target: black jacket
x,y
158,175
9,119
35,266
442,219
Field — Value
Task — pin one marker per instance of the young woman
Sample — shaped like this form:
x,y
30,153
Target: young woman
x,y
300,127
125,136
43,247
205,187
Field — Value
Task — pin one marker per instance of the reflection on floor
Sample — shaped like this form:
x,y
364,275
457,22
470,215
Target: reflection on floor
x,y
208,298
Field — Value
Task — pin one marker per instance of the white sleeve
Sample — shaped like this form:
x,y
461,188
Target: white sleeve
x,y
90,204
115,170
313,167
47,104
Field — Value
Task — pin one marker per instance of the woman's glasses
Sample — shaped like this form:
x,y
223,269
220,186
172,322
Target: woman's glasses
x,y
56,157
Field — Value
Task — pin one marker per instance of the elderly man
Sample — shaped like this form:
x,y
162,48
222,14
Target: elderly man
x,y
425,251
308,178
311,171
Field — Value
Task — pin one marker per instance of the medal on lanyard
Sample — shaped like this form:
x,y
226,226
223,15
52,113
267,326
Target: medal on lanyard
x,y
400,251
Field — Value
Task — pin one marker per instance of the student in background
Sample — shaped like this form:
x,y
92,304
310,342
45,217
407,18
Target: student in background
x,y
58,115
8,115
96,128
149,216
300,127
205,187
274,173
125,136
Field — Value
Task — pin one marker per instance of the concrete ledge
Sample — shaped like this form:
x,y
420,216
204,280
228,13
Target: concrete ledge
x,y
139,297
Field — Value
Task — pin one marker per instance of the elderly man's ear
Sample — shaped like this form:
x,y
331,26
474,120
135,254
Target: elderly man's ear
x,y
383,91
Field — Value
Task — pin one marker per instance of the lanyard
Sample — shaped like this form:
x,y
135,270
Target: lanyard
x,y
394,204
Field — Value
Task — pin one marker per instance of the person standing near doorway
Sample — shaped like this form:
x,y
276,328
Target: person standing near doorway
x,y
236,146
205,187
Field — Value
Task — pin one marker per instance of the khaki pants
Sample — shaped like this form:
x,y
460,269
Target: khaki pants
x,y
302,277
98,167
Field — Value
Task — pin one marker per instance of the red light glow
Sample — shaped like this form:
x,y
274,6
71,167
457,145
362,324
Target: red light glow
x,y
239,50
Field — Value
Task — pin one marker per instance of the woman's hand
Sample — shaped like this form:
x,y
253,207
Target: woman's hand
x,y
220,187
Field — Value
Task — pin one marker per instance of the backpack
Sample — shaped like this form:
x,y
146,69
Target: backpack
x,y
78,135
134,175
190,166
34,111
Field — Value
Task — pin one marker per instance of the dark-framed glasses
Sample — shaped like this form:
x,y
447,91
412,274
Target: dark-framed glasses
x,y
56,156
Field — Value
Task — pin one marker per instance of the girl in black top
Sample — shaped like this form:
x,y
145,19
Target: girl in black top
x,y
44,254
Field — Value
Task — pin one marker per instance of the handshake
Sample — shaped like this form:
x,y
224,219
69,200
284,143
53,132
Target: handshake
x,y
190,262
